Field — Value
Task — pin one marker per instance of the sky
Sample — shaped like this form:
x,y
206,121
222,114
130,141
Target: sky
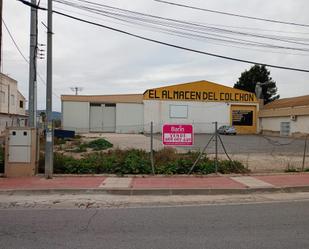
x,y
102,61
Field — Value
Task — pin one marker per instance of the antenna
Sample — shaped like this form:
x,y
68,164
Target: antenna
x,y
76,89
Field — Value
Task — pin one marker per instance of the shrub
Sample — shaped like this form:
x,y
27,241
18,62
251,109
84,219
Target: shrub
x,y
164,156
79,149
99,144
206,167
226,167
135,161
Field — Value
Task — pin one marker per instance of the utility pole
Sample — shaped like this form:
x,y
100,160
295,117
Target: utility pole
x,y
49,122
216,147
32,65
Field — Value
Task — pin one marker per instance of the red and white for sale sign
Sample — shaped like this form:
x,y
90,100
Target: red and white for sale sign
x,y
177,134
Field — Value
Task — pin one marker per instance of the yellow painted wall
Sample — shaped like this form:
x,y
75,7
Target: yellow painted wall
x,y
203,91
245,129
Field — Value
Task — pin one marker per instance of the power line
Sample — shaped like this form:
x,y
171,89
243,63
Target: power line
x,y
232,14
141,19
13,40
169,44
183,25
21,53
170,28
127,23
229,26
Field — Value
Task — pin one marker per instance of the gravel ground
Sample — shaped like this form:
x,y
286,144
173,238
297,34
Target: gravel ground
x,y
258,153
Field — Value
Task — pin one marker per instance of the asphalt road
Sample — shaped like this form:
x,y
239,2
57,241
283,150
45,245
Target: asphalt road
x,y
272,225
242,144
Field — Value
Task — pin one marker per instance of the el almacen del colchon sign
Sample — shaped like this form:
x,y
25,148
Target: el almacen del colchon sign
x,y
203,91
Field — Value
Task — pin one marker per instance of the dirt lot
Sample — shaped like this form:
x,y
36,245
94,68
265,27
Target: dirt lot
x,y
258,153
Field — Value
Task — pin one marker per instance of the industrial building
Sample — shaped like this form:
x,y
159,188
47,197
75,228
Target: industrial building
x,y
286,117
199,103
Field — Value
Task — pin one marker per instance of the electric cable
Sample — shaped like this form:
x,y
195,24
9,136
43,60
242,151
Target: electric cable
x,y
199,26
23,56
13,40
182,35
167,44
232,14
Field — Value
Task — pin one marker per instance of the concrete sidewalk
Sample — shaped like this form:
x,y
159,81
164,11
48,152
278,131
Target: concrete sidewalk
x,y
160,185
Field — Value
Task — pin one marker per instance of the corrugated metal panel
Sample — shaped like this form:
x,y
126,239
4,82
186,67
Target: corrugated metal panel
x,y
96,118
75,116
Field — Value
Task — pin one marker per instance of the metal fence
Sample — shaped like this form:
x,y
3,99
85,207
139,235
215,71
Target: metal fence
x,y
259,153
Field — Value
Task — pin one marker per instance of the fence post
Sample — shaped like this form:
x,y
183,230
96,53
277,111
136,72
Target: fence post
x,y
216,142
304,156
151,148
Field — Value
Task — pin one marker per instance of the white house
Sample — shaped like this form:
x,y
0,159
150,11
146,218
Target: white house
x,y
12,104
286,117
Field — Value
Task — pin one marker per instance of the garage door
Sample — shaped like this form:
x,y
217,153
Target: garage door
x,y
96,118
102,117
109,118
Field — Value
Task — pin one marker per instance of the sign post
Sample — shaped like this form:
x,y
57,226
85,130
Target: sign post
x,y
177,134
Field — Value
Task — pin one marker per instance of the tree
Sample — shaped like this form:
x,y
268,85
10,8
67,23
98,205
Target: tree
x,y
248,79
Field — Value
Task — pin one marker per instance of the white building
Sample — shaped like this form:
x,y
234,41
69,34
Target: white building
x,y
286,117
103,113
199,103
12,104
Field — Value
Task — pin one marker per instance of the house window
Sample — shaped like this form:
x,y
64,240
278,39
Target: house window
x,y
12,99
21,104
2,97
178,111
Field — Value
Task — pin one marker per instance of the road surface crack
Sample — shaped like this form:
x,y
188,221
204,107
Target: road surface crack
x,y
90,220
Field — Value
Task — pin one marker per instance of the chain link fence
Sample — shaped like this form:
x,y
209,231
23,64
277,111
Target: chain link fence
x,y
259,153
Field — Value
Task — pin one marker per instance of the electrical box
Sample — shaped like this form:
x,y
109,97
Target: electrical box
x,y
21,152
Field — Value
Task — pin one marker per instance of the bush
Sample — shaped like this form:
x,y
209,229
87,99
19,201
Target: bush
x,y
99,144
135,161
79,149
226,167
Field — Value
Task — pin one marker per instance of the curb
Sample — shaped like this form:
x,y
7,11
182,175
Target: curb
x,y
126,191
179,175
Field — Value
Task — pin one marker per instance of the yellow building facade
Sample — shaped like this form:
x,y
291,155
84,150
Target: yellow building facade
x,y
234,107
